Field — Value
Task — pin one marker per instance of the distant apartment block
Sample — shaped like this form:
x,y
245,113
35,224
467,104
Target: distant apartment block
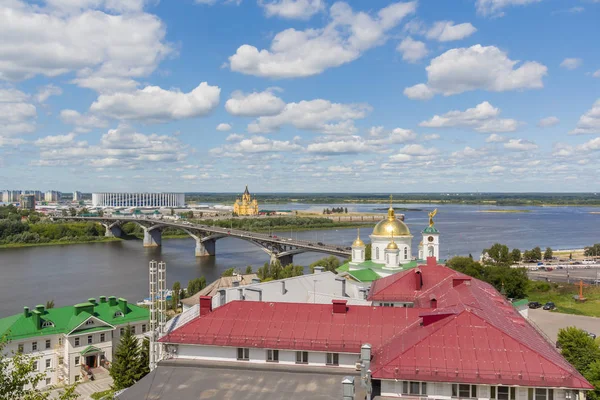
x,y
28,201
52,195
138,199
77,196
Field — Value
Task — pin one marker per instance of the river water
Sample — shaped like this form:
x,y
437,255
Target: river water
x,y
70,274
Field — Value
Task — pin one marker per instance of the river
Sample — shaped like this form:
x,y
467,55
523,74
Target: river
x,y
70,274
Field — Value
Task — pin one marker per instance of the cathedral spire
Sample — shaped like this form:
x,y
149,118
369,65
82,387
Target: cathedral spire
x,y
391,214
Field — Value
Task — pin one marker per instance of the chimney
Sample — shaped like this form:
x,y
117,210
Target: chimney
x,y
339,306
40,308
431,262
102,299
222,297
205,305
26,312
235,283
255,280
457,281
318,270
37,318
343,281
93,301
348,388
112,301
283,289
418,280
365,353
123,305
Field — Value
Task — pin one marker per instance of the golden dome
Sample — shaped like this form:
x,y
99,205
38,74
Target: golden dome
x,y
358,242
392,246
391,226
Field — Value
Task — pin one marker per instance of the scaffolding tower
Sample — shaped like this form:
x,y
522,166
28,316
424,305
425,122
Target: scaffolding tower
x,y
158,308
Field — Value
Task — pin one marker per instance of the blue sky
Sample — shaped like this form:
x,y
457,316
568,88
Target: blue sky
x,y
300,95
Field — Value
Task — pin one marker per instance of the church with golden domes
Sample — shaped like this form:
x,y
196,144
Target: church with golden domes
x,y
246,205
391,249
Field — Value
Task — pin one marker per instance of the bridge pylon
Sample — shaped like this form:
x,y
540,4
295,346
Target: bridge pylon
x,y
152,237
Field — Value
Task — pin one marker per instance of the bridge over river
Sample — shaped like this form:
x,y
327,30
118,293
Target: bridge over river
x,y
278,248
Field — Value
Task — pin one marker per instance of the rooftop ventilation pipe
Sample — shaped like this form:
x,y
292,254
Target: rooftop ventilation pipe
x,y
123,305
418,280
236,283
26,312
102,299
348,388
318,270
112,301
205,305
339,306
431,261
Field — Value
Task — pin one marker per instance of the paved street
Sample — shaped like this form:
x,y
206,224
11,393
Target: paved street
x,y
551,322
86,389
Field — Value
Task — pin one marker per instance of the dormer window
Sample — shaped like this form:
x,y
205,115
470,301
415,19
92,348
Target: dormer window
x,y
47,324
119,314
89,322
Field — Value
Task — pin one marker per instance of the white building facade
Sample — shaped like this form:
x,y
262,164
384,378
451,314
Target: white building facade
x,y
138,199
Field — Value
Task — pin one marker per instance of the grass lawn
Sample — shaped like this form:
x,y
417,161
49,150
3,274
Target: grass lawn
x,y
562,296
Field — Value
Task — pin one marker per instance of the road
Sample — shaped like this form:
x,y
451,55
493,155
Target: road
x,y
560,275
551,322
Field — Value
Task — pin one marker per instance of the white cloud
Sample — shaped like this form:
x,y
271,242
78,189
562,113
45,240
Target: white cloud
x,y
154,104
548,121
234,137
446,31
352,145
112,5
101,48
400,158
254,104
495,138
520,145
468,152
315,115
496,169
494,7
296,53
482,118
17,116
376,130
400,135
222,127
596,74
83,122
477,67
412,50
592,145
58,140
418,150
432,136
589,122
46,91
339,168
256,144
571,63
292,9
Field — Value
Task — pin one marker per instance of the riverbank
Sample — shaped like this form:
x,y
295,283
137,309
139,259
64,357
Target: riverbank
x,y
504,211
58,243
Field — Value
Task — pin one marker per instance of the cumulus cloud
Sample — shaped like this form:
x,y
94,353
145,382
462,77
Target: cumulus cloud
x,y
446,31
46,91
571,63
418,150
496,169
412,50
345,38
482,118
314,115
292,9
254,104
55,40
468,152
400,135
432,136
376,130
520,145
495,138
222,127
548,121
494,7
83,122
352,145
589,122
256,144
477,67
57,140
154,104
17,115
121,147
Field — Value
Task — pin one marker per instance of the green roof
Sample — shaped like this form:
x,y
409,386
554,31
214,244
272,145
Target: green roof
x,y
521,302
369,271
430,229
90,349
65,320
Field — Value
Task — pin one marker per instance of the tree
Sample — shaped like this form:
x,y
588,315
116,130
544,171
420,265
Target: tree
x,y
536,253
467,266
175,295
196,285
126,366
228,272
330,263
72,211
593,377
368,251
18,372
515,255
578,348
592,251
498,254
144,359
248,269
548,254
49,304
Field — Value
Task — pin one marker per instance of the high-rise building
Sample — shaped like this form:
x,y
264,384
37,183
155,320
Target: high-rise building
x,y
28,201
39,196
11,196
52,195
138,199
77,196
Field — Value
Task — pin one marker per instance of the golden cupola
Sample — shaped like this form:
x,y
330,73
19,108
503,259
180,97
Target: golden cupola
x,y
391,226
358,242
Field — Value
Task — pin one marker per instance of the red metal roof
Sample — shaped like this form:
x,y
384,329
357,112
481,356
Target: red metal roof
x,y
473,336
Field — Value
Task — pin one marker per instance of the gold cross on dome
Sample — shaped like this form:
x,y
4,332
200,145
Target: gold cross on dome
x,y
391,197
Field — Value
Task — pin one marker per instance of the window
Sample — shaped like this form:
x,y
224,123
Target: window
x,y
143,328
121,331
47,324
102,337
377,253
503,393
35,366
119,314
541,394
34,346
464,391
333,359
132,329
48,343
60,341
417,388
90,339
406,253
48,362
273,355
77,360
48,381
302,357
89,322
243,353
76,341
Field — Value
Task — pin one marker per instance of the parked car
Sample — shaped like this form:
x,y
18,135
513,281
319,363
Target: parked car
x,y
590,334
549,306
534,304
320,243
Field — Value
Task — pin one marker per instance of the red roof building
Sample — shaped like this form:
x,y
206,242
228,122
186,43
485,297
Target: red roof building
x,y
454,332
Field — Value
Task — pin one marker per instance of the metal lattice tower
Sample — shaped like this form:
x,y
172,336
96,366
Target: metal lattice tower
x,y
153,317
